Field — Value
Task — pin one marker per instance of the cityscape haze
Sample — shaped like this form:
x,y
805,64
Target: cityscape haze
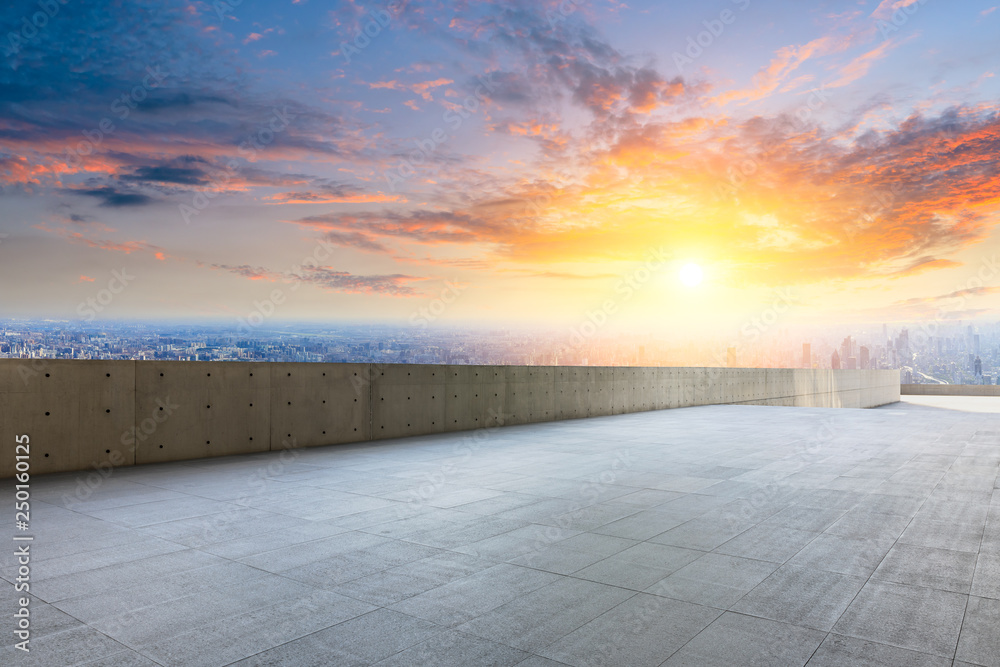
x,y
947,354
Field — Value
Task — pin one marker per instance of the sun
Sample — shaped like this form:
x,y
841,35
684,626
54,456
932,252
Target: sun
x,y
691,275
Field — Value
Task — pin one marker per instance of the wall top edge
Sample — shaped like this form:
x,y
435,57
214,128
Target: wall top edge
x,y
37,361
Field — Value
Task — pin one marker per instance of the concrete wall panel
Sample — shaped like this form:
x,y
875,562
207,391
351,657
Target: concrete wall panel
x,y
318,404
78,414
950,390
195,409
409,399
109,413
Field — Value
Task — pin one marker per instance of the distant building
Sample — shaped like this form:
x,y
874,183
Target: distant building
x,y
864,358
835,361
806,355
852,363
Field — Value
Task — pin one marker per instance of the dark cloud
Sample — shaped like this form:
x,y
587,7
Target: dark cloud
x,y
163,174
114,198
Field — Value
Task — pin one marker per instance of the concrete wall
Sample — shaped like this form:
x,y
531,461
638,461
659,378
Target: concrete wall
x,y
85,414
950,389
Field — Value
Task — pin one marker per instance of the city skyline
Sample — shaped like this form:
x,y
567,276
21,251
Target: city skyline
x,y
956,353
667,166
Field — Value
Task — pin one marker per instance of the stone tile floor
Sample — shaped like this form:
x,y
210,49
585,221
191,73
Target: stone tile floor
x,y
723,535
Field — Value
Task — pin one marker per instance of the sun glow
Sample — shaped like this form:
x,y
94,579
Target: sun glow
x,y
691,275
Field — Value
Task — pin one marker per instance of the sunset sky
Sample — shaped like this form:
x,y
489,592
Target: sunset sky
x,y
530,161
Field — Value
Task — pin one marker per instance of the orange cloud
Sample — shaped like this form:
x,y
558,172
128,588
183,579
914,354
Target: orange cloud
x,y
307,197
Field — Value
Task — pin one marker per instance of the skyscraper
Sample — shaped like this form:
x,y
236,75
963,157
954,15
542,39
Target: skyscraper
x,y
835,361
864,360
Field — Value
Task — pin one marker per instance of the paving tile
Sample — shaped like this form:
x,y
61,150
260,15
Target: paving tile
x,y
299,532
919,619
456,649
961,535
980,641
703,533
768,542
145,514
717,477
296,555
924,566
839,651
883,504
594,516
516,543
866,525
844,555
464,599
137,628
387,587
641,632
735,639
121,575
45,619
558,559
355,643
811,519
602,545
801,596
714,580
535,620
234,638
648,498
68,647
643,525
986,580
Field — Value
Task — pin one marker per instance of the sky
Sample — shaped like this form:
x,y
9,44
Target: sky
x,y
670,166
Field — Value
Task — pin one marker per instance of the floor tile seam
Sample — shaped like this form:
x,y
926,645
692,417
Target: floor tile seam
x,y
632,592
380,608
877,566
714,621
139,560
968,598
124,647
